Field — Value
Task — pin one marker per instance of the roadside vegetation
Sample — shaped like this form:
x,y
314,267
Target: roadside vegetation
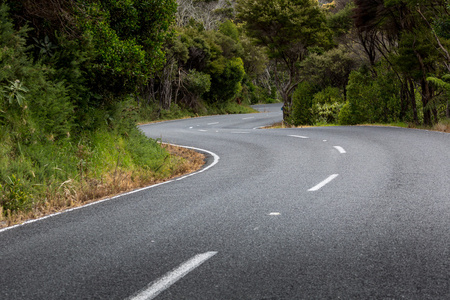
x,y
358,61
76,76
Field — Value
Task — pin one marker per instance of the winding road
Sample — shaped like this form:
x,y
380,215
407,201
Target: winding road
x,y
308,213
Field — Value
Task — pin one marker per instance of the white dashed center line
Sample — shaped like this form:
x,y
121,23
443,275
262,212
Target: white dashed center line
x,y
248,118
340,149
299,136
323,183
160,285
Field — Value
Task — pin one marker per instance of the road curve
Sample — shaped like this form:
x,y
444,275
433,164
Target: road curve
x,y
308,213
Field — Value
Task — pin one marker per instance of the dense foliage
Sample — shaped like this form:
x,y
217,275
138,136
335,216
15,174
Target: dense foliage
x,y
76,75
387,62
287,28
67,117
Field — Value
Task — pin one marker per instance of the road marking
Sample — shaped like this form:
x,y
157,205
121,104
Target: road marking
x,y
191,127
323,183
274,214
299,136
241,132
340,149
215,161
162,284
213,123
202,130
248,118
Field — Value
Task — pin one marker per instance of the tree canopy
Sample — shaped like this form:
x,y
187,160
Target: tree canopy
x,y
287,28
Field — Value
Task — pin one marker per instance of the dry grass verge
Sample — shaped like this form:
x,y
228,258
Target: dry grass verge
x,y
71,194
282,124
442,126
279,125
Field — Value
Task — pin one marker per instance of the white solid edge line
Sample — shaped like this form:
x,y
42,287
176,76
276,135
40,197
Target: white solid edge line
x,y
323,183
340,149
216,160
299,136
163,283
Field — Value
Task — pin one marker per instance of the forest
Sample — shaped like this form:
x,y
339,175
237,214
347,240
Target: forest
x,y
76,76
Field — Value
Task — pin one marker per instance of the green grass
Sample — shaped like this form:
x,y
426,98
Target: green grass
x,y
55,174
42,174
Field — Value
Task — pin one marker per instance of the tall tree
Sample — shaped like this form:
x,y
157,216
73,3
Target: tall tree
x,y
124,37
400,32
128,36
207,13
287,28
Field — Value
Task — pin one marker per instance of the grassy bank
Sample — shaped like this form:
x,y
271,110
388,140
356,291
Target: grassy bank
x,y
40,175
442,126
42,178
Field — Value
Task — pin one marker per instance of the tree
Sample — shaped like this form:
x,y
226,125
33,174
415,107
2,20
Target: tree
x,y
207,13
331,68
128,36
401,33
287,28
444,85
226,78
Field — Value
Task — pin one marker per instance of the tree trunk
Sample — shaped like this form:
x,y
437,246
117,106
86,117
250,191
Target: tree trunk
x,y
286,106
404,100
412,97
426,98
447,110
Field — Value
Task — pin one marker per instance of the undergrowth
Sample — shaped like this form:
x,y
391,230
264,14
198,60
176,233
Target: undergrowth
x,y
48,177
150,113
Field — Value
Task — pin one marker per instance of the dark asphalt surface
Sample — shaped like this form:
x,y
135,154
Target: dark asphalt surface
x,y
379,230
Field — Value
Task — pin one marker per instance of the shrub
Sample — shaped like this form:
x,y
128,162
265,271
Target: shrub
x,y
302,104
345,115
226,78
327,104
52,110
374,98
327,113
15,197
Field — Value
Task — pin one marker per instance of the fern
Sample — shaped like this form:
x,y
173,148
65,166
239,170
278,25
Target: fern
x,y
441,83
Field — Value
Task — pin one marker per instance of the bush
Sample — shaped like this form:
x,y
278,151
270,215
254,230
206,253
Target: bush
x,y
14,196
345,115
327,113
374,98
226,78
302,104
327,104
52,110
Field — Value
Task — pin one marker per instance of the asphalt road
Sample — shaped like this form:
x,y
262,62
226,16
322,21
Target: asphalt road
x,y
308,213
